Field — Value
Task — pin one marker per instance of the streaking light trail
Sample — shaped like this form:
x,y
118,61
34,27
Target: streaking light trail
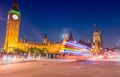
x,y
76,48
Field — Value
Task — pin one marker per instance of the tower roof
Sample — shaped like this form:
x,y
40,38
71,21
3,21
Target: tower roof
x,y
15,2
71,37
45,36
15,5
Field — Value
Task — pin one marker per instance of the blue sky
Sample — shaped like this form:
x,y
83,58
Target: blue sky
x,y
56,17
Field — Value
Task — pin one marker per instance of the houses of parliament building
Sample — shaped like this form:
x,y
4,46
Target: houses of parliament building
x,y
12,36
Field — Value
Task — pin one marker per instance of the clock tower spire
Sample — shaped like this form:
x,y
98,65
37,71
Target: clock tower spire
x,y
12,28
15,5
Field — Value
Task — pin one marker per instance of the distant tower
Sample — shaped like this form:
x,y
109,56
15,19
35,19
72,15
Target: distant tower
x,y
97,40
12,28
45,39
64,38
70,37
25,40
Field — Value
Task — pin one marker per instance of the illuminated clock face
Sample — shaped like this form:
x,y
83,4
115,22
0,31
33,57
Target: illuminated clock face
x,y
15,17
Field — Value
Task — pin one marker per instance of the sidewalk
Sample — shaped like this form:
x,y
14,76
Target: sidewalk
x,y
3,62
55,60
112,60
16,60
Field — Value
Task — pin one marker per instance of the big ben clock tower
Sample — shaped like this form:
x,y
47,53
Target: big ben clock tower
x,y
12,28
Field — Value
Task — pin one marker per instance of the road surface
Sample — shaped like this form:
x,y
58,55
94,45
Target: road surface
x,y
61,69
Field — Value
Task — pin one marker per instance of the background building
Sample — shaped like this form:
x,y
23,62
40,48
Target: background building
x,y
12,37
97,41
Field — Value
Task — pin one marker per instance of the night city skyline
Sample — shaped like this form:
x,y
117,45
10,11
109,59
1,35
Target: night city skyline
x,y
59,38
57,17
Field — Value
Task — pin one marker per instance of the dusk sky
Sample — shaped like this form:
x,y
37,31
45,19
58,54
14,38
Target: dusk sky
x,y
56,17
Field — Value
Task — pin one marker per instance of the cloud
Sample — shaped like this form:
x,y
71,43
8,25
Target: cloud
x,y
2,19
64,31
